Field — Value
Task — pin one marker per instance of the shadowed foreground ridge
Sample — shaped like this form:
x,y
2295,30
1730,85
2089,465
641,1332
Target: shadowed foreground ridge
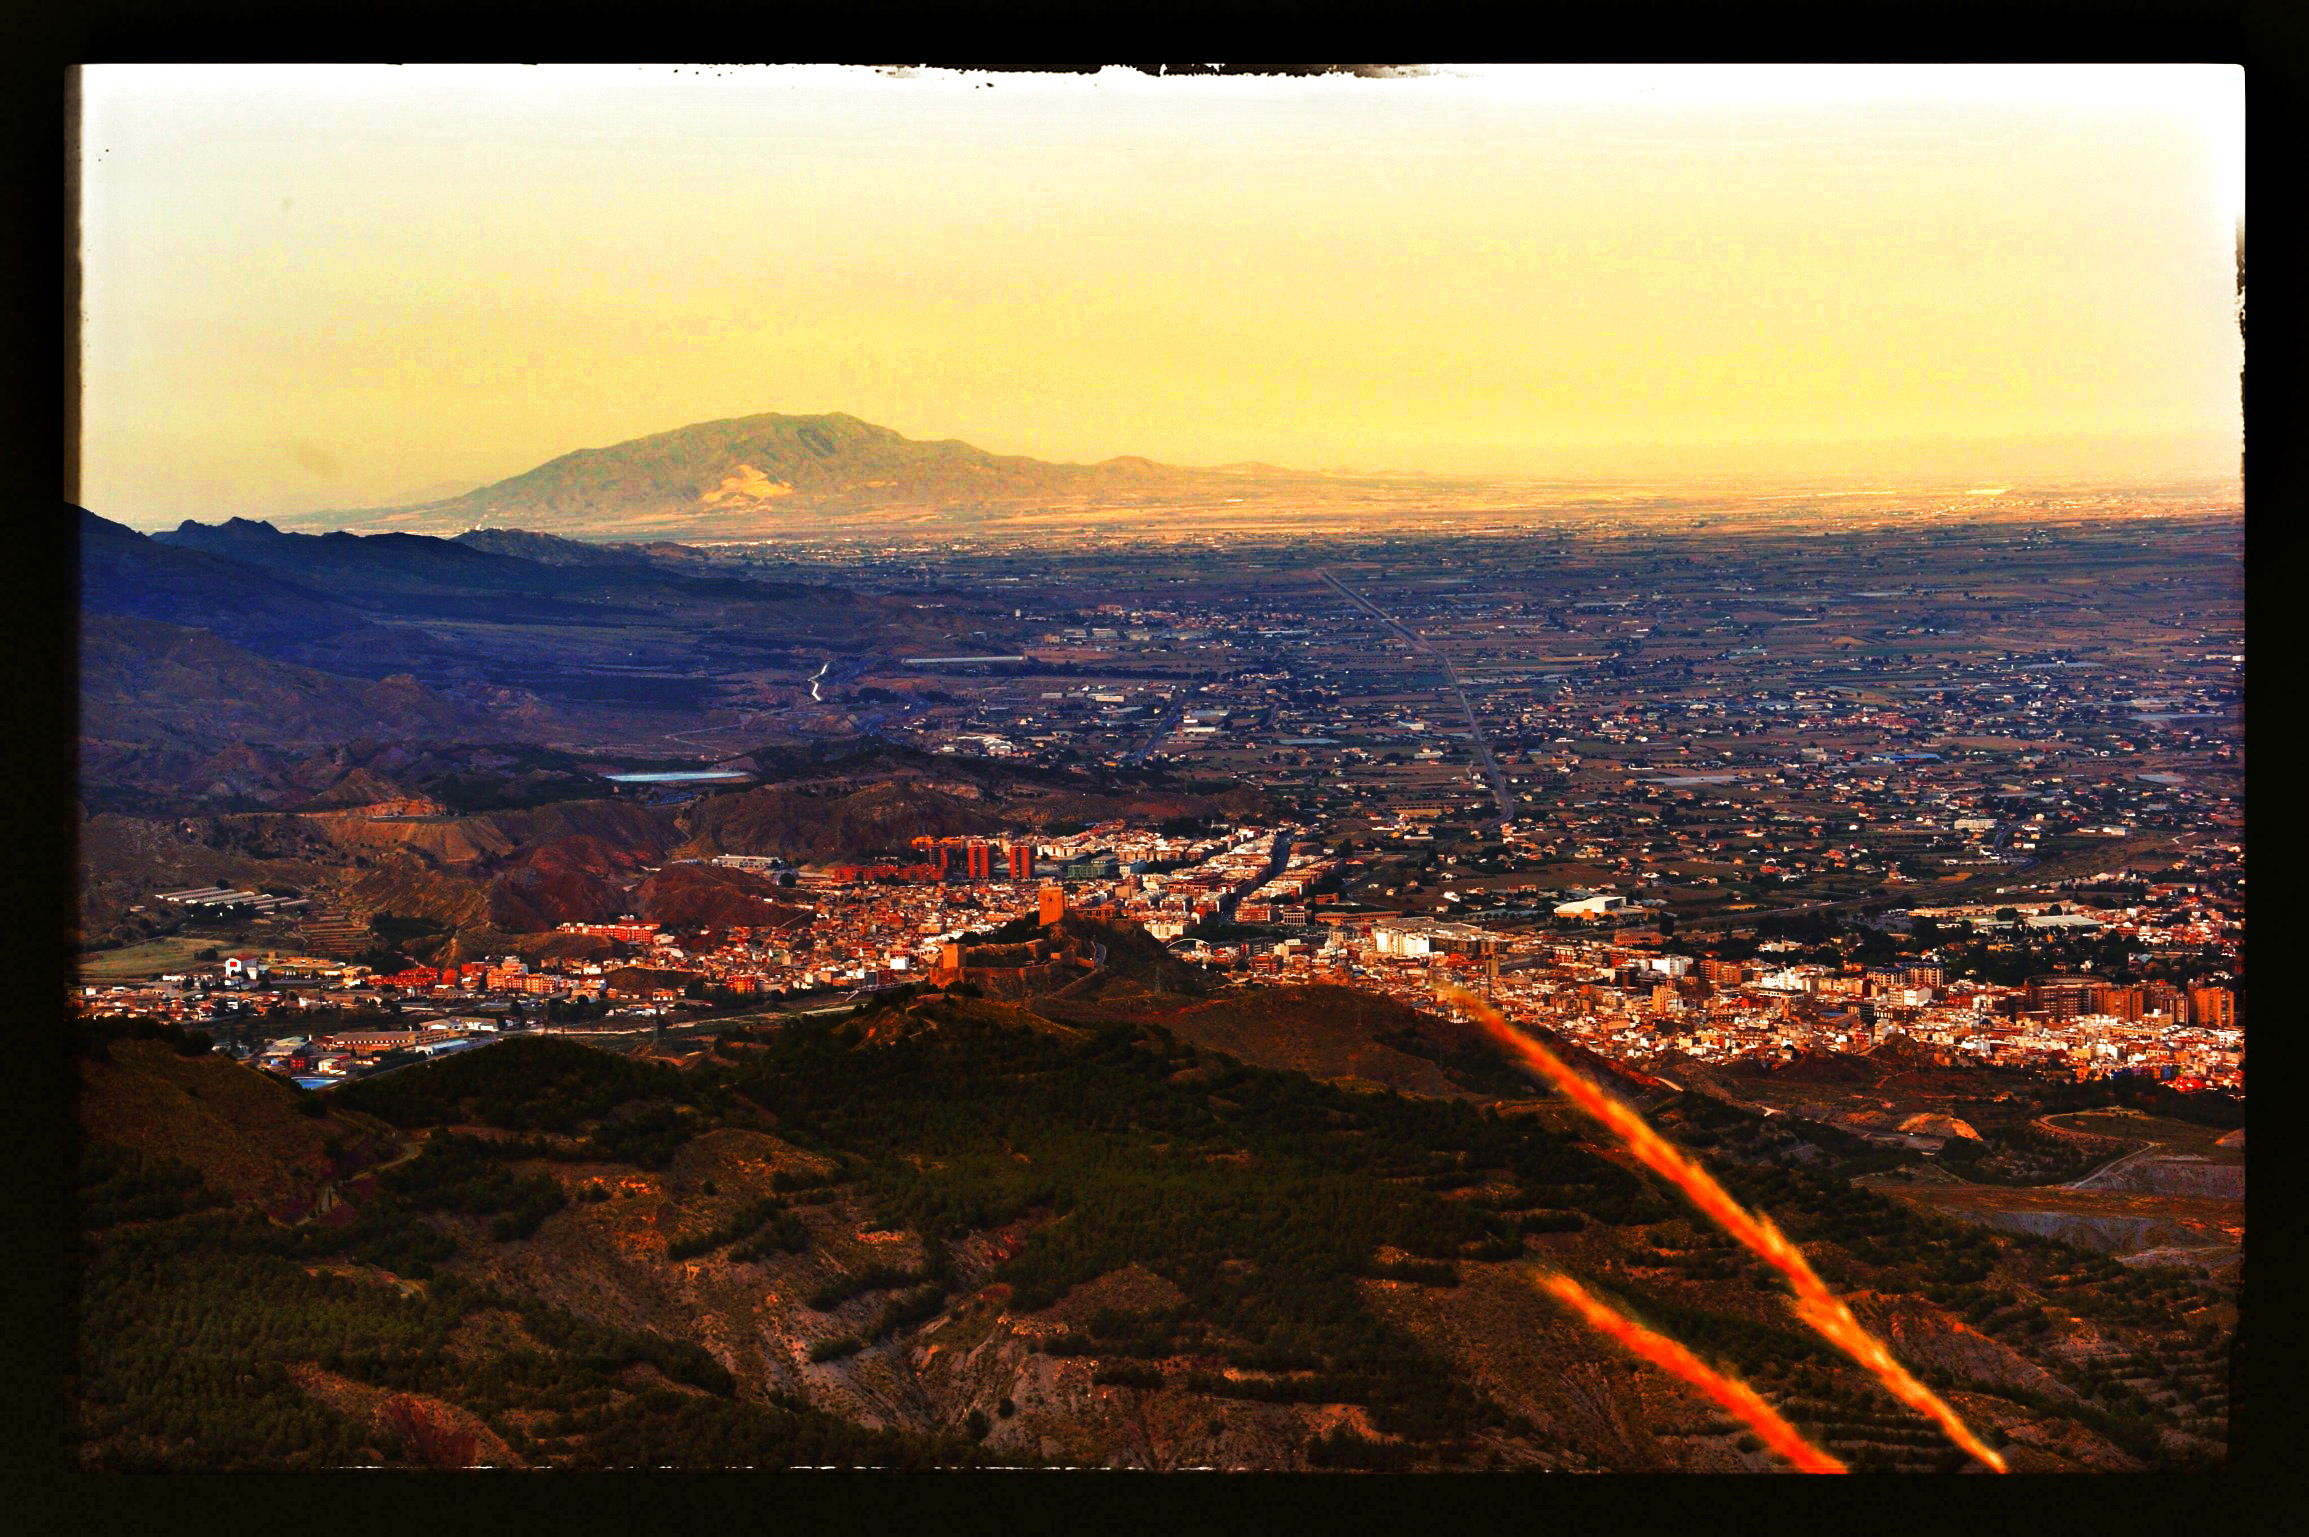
x,y
948,1229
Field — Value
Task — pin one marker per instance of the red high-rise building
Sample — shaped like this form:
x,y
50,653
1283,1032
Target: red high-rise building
x,y
1021,862
981,862
2214,1007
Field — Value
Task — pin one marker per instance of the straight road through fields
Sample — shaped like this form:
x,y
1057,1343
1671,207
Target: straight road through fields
x,y
1483,758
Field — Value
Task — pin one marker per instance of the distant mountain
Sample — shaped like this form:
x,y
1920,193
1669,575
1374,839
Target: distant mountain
x,y
390,570
338,602
551,550
377,562
375,604
212,637
260,586
124,572
751,475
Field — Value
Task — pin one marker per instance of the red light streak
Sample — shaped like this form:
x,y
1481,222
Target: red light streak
x,y
1734,1396
1819,1307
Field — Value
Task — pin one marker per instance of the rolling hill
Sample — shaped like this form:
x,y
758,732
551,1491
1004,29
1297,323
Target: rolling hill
x,y
539,634
151,683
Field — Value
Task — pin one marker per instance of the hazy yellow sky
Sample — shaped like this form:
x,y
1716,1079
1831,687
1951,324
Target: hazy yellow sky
x,y
340,286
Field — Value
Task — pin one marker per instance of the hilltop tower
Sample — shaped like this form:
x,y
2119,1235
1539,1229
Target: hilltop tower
x,y
1053,904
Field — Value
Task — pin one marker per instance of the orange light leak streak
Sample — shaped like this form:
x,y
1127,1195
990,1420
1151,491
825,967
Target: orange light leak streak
x,y
1815,1303
1734,1396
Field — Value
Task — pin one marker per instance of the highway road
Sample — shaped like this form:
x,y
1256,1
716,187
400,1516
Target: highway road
x,y
1483,758
1163,728
1996,847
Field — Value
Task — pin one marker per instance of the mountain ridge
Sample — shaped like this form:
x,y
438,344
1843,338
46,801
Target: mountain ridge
x,y
745,475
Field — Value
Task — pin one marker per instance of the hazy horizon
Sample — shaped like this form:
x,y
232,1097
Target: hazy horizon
x,y
347,286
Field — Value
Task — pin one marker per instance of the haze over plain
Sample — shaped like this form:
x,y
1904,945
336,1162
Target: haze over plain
x,y
358,285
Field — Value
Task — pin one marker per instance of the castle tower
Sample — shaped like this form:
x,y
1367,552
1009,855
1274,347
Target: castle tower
x,y
1053,904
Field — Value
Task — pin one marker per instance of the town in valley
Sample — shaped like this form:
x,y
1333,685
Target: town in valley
x,y
1325,770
